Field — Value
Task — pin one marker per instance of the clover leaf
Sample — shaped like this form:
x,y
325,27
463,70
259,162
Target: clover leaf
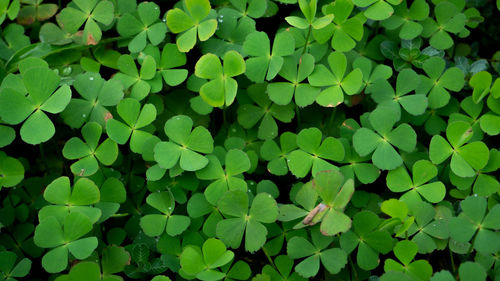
x,y
423,171
466,158
277,155
143,26
11,171
264,63
265,111
41,84
86,270
9,9
481,84
36,11
64,238
203,263
408,19
406,251
428,229
7,135
96,94
355,167
13,40
197,21
10,269
366,141
295,71
239,219
170,59
135,118
449,19
371,73
308,9
156,224
407,81
370,240
439,81
312,153
336,80
221,89
89,12
283,271
343,31
67,200
473,221
90,151
130,76
377,9
333,259
184,146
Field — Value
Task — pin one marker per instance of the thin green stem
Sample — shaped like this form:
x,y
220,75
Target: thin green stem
x,y
452,262
354,271
471,245
307,39
269,258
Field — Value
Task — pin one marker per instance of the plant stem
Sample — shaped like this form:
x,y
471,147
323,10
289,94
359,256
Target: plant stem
x,y
269,258
307,39
297,112
452,262
354,271
472,245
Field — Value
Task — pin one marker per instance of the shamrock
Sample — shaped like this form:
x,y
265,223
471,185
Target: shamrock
x,y
197,20
10,269
184,146
406,251
449,19
277,155
356,168
368,238
265,111
221,89
67,201
64,238
336,80
295,71
408,19
234,206
203,263
312,152
407,81
398,180
41,85
87,271
481,84
35,10
370,73
473,221
11,171
283,271
236,163
264,63
135,118
142,26
155,225
89,12
309,12
377,9
97,94
385,157
171,58
9,9
465,158
88,151
13,40
428,228
439,81
343,31
130,76
333,259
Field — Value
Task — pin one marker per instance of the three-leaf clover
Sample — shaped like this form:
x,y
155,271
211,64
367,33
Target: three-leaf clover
x,y
197,22
9,269
333,259
408,19
466,158
449,19
283,271
130,76
406,251
203,263
135,119
171,58
143,26
312,152
308,9
439,81
423,171
481,84
473,221
335,80
89,12
156,224
239,219
295,70
264,63
41,84
428,228
277,155
377,9
221,89
184,146
265,111
90,151
96,94
67,200
381,142
64,238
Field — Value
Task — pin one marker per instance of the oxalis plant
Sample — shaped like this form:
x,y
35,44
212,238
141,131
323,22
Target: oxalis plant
x,y
258,140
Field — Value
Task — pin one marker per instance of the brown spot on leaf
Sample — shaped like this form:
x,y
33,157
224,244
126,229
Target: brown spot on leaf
x,y
91,40
108,116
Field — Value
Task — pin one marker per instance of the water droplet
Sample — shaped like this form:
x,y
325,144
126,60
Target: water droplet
x,y
475,195
164,20
91,78
269,196
84,115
